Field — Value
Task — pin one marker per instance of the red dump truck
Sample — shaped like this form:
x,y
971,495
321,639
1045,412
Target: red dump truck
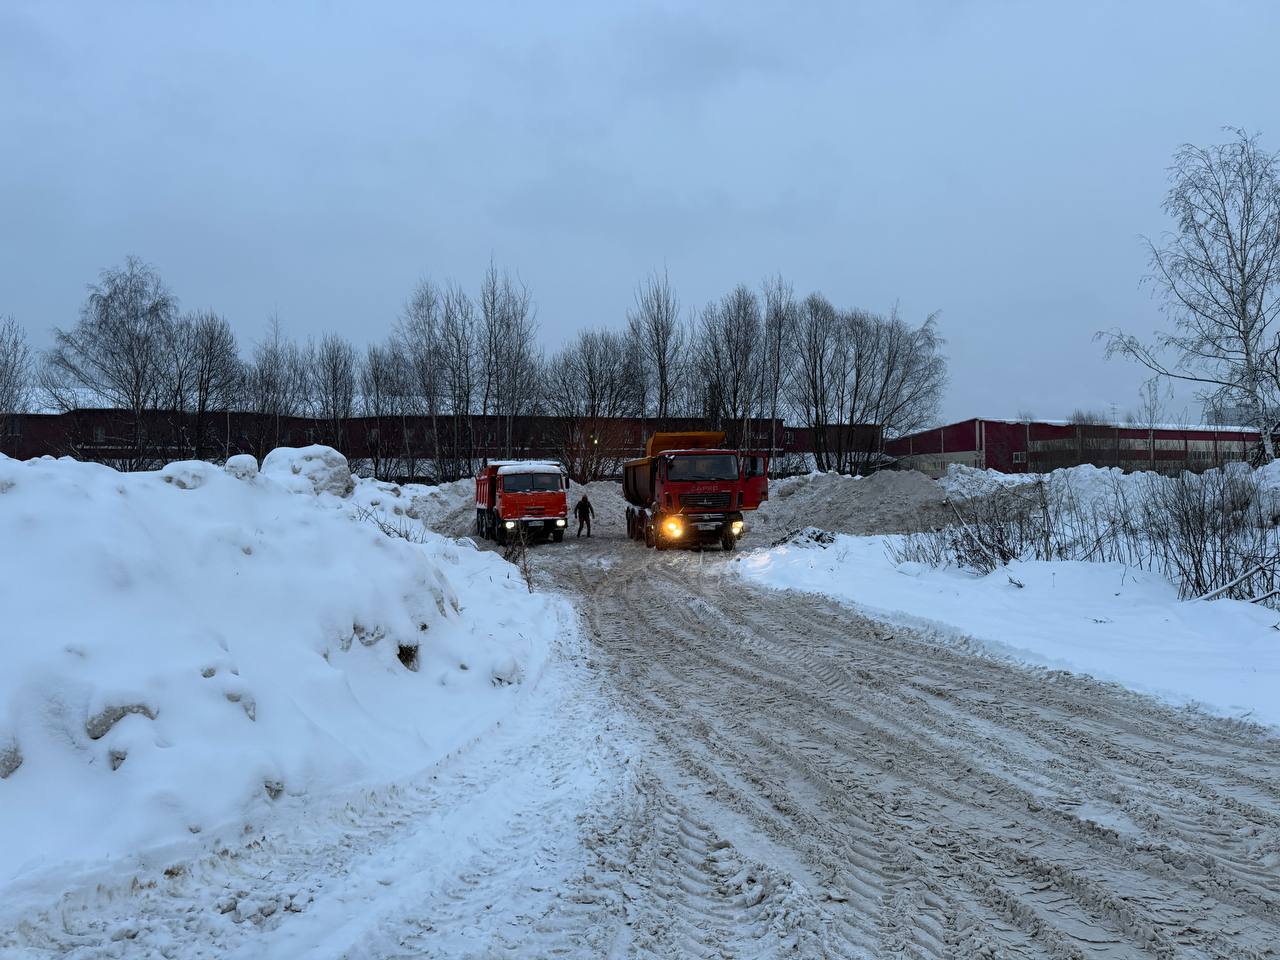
x,y
688,491
521,498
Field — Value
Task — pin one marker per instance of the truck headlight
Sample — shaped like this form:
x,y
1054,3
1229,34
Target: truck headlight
x,y
673,527
737,527
561,522
510,524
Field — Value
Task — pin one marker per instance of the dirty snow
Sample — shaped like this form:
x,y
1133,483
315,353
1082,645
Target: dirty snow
x,y
1106,620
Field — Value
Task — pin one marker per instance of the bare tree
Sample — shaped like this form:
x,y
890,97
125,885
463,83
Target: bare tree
x,y
1218,274
202,372
818,338
15,368
384,388
654,326
15,379
458,374
418,335
114,356
587,389
275,388
780,316
218,375
727,363
855,370
512,365
333,386
900,376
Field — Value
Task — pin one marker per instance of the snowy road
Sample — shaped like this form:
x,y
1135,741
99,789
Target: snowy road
x,y
712,771
940,804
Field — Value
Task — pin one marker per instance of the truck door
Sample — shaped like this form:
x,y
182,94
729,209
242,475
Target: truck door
x,y
755,480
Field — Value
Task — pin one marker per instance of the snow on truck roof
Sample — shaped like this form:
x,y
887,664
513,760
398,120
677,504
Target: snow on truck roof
x,y
506,468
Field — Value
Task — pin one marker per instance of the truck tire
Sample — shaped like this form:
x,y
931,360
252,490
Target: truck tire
x,y
650,540
557,536
727,541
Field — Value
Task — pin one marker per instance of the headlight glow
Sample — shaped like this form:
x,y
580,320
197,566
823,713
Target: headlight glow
x,y
510,524
736,527
561,522
674,527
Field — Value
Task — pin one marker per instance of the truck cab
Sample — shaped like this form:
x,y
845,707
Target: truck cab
x,y
525,498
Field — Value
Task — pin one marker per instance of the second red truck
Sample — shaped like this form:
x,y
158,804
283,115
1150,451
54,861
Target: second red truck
x,y
521,498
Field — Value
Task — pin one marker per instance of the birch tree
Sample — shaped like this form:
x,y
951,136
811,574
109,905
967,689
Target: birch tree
x,y
114,356
1218,276
15,369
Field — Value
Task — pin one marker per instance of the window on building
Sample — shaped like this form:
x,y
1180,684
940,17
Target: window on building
x,y
1020,456
99,433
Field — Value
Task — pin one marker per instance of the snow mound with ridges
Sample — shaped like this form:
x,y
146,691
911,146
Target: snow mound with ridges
x,y
188,647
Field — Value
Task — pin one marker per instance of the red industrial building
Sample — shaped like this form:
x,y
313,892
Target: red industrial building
x,y
405,447
1037,446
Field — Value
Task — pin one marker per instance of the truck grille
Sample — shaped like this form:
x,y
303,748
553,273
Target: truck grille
x,y
706,501
534,511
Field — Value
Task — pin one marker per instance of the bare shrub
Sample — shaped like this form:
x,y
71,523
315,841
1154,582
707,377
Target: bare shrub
x,y
516,552
399,528
1213,534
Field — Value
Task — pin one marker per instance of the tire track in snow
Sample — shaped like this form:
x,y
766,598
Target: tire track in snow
x,y
973,805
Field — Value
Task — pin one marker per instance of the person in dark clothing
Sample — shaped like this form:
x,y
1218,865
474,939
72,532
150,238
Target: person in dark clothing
x,y
584,511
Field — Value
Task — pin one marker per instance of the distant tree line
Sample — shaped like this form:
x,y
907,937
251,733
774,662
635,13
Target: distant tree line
x,y
452,354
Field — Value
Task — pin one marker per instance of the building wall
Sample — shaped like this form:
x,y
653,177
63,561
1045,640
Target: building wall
x,y
108,436
1039,447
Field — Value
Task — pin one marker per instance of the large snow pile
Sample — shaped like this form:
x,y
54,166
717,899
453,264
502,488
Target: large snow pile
x,y
314,469
885,502
186,648
1104,619
1085,484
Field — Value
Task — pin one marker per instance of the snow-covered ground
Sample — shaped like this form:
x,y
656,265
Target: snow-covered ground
x,y
1102,619
189,650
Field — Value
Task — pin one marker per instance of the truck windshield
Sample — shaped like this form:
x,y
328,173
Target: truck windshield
x,y
530,482
716,466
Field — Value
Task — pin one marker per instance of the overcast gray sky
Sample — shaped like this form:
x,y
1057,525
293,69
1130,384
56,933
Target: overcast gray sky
x,y
995,161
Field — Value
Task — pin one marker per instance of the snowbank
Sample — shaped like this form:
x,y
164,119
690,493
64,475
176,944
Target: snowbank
x,y
314,469
1101,619
185,649
1088,485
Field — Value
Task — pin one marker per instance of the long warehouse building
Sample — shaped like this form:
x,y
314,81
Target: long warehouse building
x,y
1037,446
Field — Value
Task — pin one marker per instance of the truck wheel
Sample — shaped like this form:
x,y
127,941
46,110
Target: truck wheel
x,y
557,536
631,534
727,541
649,539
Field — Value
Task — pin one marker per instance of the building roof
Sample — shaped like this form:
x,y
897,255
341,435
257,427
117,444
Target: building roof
x,y
1050,422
